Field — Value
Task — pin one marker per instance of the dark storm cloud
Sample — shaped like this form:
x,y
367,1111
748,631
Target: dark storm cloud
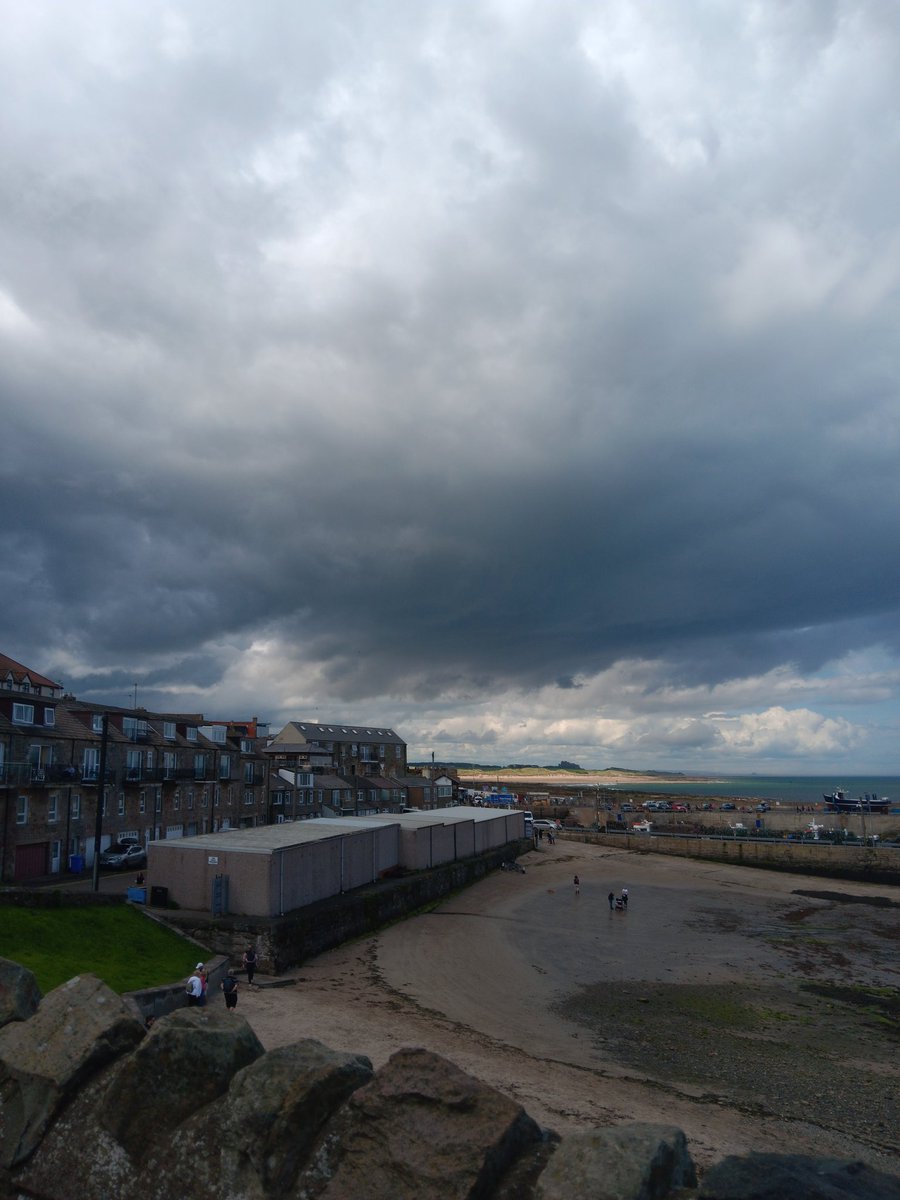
x,y
391,357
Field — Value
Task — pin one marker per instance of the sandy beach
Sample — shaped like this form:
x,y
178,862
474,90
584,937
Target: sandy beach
x,y
713,1002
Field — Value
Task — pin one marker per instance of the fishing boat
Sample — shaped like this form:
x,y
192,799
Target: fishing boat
x,y
839,801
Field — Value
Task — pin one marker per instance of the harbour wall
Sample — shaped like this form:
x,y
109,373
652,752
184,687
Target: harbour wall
x,y
866,864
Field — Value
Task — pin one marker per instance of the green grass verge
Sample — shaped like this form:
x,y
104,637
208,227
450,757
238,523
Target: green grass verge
x,y
126,949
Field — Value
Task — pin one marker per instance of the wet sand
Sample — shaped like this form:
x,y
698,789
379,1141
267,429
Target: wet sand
x,y
690,1007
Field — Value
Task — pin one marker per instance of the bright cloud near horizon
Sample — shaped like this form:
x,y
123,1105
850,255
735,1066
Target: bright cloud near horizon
x,y
521,376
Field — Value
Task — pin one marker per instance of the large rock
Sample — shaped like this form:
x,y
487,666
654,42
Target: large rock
x,y
787,1177
252,1141
186,1061
640,1162
78,1028
421,1130
19,992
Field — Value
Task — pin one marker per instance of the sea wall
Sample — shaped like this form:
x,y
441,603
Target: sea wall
x,y
285,942
867,864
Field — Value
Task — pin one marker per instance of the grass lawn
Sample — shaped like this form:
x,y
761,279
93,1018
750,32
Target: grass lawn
x,y
127,950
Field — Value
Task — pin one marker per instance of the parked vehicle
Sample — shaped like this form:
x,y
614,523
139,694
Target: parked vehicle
x,y
124,856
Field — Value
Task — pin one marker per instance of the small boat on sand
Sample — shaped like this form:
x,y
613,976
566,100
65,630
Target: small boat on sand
x,y
839,801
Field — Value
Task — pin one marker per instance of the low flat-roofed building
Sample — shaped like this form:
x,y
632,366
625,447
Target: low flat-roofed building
x,y
273,869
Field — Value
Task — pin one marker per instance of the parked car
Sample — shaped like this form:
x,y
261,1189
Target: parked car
x,y
727,806
626,807
545,825
124,856
679,808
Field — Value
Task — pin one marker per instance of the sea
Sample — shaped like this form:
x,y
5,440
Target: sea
x,y
787,789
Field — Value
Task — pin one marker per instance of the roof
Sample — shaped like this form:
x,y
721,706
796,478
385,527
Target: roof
x,y
264,839
302,732
19,673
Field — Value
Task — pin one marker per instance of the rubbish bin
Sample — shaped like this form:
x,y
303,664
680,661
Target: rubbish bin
x,y
76,863
159,897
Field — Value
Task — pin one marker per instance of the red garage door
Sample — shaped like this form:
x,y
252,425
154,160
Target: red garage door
x,y
31,861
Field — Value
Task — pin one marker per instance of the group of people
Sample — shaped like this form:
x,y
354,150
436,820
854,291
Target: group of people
x,y
615,902
198,981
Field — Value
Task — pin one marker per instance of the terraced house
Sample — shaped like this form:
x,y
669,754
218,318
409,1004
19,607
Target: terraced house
x,y
164,775
171,775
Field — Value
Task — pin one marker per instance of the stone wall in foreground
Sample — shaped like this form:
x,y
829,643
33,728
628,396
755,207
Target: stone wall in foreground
x,y
94,1106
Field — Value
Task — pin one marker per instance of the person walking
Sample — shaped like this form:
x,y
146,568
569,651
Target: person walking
x,y
204,983
194,989
577,886
611,898
249,964
230,989
625,896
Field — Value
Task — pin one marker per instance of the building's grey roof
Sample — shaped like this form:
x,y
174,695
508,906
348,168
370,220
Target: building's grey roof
x,y
263,839
301,732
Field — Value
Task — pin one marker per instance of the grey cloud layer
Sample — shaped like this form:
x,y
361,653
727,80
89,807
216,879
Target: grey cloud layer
x,y
450,351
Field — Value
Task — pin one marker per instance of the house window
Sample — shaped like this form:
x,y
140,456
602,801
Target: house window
x,y
134,727
199,766
216,795
176,803
224,766
23,714
169,764
121,804
97,722
142,801
53,807
22,810
133,764
169,730
191,733
248,772
248,797
204,798
158,802
190,797
49,716
91,763
76,807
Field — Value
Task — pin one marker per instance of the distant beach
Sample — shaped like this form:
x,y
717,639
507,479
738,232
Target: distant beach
x,y
784,789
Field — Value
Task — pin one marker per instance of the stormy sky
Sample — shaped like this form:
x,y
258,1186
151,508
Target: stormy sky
x,y
523,376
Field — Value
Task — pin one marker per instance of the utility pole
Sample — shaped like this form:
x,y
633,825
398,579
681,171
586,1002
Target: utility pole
x,y
101,796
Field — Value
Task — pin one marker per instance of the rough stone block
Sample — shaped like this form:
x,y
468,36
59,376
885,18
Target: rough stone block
x,y
19,992
78,1028
640,1162
187,1060
253,1140
421,1130
787,1177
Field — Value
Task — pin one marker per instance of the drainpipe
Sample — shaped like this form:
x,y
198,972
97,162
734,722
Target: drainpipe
x,y
101,795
